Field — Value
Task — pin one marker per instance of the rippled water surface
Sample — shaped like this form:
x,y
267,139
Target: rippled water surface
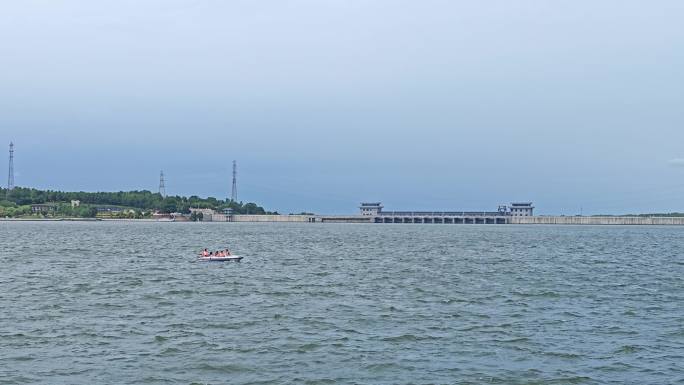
x,y
126,303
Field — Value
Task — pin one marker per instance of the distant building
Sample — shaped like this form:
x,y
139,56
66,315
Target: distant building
x,y
75,203
371,209
44,208
203,211
161,216
109,209
179,217
225,216
207,214
522,209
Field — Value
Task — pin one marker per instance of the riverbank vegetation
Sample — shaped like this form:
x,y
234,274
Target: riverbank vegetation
x,y
22,201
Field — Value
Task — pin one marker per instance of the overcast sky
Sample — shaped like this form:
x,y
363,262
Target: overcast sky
x,y
574,105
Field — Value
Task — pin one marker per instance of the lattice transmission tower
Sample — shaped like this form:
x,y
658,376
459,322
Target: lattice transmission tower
x,y
233,194
162,185
10,175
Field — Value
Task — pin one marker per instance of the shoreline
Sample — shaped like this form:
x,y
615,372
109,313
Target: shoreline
x,y
50,219
322,219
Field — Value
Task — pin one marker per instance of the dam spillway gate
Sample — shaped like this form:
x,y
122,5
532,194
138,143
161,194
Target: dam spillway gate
x,y
465,218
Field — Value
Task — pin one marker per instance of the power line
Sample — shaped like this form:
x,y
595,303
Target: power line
x,y
162,185
233,194
10,175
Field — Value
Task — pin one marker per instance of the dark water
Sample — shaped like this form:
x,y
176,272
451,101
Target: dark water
x,y
125,303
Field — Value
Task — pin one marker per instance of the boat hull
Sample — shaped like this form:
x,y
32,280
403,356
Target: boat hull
x,y
235,258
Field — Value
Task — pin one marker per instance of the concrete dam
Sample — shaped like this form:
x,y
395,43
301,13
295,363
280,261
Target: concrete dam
x,y
374,211
520,213
464,217
600,220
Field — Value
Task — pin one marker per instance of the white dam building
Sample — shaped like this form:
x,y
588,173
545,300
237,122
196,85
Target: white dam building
x,y
521,209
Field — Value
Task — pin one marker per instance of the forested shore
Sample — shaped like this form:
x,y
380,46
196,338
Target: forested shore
x,y
22,201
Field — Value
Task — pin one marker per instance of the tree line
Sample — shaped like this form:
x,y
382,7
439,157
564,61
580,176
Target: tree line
x,y
142,200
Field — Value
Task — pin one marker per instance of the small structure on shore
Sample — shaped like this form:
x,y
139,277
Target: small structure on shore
x,y
206,214
43,208
109,209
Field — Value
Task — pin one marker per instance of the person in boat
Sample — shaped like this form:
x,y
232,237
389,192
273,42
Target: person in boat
x,y
205,253
223,254
227,252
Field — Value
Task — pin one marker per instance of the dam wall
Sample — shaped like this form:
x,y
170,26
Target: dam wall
x,y
558,220
297,218
453,219
271,218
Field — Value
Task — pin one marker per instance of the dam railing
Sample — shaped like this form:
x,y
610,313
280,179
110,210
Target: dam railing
x,y
441,213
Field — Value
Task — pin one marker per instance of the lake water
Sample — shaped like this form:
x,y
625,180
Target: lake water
x,y
126,303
